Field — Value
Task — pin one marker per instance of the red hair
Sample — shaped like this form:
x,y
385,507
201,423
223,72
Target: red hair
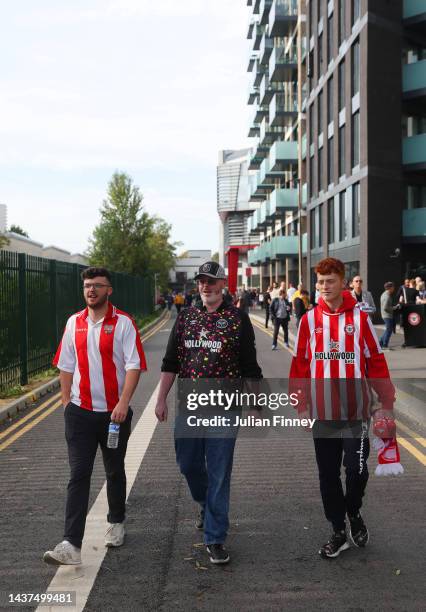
x,y
330,265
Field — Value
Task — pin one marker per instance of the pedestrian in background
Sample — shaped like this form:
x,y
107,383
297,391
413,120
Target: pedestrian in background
x,y
206,462
363,297
387,312
280,313
291,291
421,292
100,359
267,304
300,305
274,291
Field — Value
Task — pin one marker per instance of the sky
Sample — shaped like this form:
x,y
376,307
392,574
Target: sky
x,y
154,88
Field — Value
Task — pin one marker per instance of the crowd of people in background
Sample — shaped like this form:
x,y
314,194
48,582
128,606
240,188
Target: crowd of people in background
x,y
280,302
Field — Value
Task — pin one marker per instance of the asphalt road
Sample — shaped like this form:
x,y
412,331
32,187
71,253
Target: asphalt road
x,y
277,523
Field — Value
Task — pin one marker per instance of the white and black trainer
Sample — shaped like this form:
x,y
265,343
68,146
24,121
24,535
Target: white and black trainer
x,y
358,531
218,554
336,544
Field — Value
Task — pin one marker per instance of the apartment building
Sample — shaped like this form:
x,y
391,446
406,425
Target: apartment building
x,y
351,145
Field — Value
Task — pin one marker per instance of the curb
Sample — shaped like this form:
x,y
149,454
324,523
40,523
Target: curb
x,y
16,406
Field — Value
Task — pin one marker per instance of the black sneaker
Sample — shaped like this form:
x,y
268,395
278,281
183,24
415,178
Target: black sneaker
x,y
335,545
358,531
199,523
218,553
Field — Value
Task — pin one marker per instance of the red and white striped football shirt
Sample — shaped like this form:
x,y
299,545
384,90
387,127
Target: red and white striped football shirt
x,y
99,355
341,346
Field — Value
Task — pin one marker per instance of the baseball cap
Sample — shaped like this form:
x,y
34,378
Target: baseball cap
x,y
211,269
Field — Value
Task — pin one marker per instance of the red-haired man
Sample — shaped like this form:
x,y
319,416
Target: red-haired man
x,y
336,345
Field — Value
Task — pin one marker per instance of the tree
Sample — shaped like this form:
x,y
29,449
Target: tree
x,y
16,229
215,256
127,238
3,241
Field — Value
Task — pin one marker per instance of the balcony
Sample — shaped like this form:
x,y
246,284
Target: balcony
x,y
266,176
282,17
264,219
258,73
414,225
256,192
265,49
251,62
282,201
282,154
414,80
252,22
414,152
256,156
264,8
266,91
282,108
268,133
258,31
252,93
282,66
284,246
258,113
253,257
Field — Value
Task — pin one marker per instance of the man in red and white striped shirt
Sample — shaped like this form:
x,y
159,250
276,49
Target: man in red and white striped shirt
x,y
100,359
336,351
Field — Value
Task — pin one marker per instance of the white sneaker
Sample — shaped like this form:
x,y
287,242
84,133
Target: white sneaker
x,y
64,553
115,534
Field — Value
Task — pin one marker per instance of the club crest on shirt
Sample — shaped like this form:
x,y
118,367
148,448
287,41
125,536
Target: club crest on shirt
x,y
349,329
318,330
222,324
203,334
108,329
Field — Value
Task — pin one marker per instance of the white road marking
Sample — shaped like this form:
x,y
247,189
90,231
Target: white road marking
x,y
81,578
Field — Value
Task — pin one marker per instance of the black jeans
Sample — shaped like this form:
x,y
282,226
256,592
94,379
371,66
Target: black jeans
x,y
344,442
266,315
84,431
277,324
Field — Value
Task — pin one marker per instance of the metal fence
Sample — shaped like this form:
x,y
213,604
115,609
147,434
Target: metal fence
x,y
37,296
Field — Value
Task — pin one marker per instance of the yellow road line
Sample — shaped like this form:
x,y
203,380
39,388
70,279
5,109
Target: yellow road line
x,y
28,416
156,328
413,450
21,432
411,433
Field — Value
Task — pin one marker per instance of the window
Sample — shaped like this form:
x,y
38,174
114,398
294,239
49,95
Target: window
x,y
311,123
310,20
342,145
330,100
356,10
341,85
319,9
355,139
320,169
330,214
311,176
319,109
356,210
342,17
343,222
319,225
320,55
330,50
355,68
313,229
416,196
330,161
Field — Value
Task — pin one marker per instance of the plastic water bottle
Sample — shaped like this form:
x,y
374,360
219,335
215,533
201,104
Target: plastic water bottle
x,y
113,435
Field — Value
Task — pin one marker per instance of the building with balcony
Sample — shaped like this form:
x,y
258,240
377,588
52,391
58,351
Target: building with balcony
x,y
276,126
366,137
235,206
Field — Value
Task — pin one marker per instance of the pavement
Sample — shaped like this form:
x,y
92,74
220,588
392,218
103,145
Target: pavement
x,y
277,523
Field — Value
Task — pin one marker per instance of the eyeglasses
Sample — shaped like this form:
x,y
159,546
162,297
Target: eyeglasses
x,y
358,281
87,286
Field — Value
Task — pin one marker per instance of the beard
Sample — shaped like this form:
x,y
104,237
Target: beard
x,y
99,304
212,298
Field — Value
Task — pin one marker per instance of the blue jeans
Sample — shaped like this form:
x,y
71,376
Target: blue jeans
x,y
384,340
206,464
